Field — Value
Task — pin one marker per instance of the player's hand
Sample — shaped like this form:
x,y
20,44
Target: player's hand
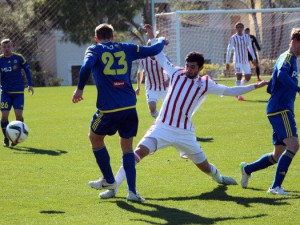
x,y
227,66
149,31
30,89
163,38
261,84
137,91
77,96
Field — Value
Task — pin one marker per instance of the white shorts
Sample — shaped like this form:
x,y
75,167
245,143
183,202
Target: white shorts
x,y
183,140
153,96
242,68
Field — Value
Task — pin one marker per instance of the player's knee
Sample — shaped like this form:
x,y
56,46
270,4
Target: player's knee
x,y
141,152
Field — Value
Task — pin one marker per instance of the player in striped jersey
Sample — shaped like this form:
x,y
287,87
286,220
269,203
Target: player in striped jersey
x,y
283,88
110,63
173,126
12,84
156,82
240,43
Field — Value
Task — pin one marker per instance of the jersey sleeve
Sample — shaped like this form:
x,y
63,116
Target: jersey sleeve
x,y
229,49
140,52
26,68
164,62
249,44
283,76
214,88
86,68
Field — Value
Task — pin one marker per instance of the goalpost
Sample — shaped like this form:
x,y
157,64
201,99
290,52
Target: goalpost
x,y
209,31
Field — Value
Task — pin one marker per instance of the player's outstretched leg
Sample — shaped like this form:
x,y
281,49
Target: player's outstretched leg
x,y
216,176
212,171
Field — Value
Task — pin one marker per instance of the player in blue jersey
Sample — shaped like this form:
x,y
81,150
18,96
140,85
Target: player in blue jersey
x,y
283,88
12,84
110,62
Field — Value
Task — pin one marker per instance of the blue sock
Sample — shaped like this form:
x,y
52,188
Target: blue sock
x,y
265,161
129,167
103,161
282,167
3,126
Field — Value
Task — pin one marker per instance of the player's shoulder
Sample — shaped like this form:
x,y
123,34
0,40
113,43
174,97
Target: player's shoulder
x,y
285,59
19,56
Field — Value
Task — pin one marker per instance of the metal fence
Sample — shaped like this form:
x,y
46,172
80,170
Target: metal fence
x,y
53,34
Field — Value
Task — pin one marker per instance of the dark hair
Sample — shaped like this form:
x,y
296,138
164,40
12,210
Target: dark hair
x,y
295,34
239,24
195,57
247,29
104,31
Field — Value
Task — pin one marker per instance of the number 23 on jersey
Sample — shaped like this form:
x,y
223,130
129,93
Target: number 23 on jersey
x,y
109,59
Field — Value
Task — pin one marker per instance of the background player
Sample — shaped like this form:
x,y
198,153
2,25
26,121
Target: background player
x,y
254,46
173,126
240,43
111,64
283,88
156,82
12,84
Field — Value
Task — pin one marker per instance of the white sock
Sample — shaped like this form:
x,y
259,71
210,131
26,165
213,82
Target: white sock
x,y
244,82
215,174
238,83
121,175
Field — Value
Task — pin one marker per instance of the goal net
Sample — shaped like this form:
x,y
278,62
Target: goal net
x,y
209,31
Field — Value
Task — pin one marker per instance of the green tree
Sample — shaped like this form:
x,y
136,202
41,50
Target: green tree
x,y
78,18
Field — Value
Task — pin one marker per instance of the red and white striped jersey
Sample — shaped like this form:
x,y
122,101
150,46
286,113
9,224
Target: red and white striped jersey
x,y
185,95
240,44
154,75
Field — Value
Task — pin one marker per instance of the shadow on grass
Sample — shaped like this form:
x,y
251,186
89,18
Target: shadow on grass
x,y
52,212
257,101
173,215
205,139
29,150
219,194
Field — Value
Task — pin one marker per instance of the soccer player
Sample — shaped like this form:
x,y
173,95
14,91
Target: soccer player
x,y
12,84
156,82
283,88
240,43
173,126
254,46
110,63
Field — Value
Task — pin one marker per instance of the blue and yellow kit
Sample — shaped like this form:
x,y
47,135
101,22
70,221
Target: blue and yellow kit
x,y
11,73
283,85
110,64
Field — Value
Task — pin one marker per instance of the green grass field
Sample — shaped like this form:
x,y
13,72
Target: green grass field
x,y
44,180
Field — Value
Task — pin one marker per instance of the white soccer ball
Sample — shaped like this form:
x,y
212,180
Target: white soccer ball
x,y
17,131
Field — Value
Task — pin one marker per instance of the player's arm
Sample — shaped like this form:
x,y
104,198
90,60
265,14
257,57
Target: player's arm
x,y
219,89
256,43
249,44
84,74
228,53
140,75
28,74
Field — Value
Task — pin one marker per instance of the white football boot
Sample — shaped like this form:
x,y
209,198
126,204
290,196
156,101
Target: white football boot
x,y
107,194
102,184
277,191
228,181
131,197
245,176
